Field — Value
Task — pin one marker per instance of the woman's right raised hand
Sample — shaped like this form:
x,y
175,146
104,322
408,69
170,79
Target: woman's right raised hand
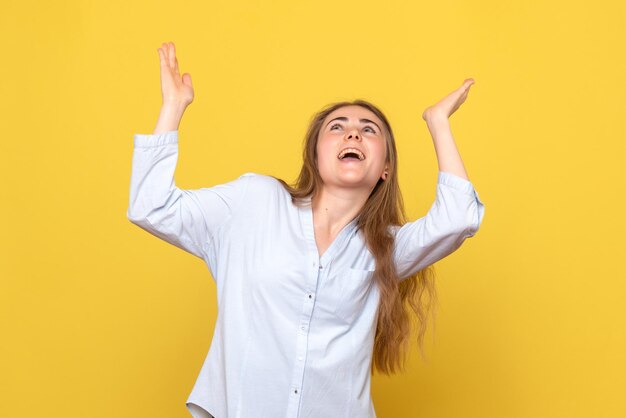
x,y
176,90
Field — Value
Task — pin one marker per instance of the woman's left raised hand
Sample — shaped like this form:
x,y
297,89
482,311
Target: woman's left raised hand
x,y
449,104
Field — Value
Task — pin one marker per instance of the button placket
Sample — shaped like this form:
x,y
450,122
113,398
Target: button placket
x,y
319,268
302,341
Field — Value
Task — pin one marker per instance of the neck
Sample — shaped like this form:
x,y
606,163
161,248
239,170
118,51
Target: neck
x,y
334,208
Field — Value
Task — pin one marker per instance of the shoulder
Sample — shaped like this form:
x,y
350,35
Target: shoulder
x,y
393,229
259,179
261,183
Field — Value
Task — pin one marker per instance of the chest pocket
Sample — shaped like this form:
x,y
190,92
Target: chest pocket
x,y
346,293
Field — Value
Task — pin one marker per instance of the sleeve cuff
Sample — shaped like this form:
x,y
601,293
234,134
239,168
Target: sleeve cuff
x,y
459,183
155,140
455,181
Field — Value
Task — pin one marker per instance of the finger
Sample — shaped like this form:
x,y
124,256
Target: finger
x,y
175,59
166,52
464,96
172,55
162,58
464,88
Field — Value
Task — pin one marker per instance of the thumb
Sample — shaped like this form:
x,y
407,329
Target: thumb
x,y
187,79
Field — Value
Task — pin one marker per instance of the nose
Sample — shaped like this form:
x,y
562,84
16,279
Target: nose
x,y
353,135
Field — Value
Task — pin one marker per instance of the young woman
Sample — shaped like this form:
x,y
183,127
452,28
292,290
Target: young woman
x,y
314,280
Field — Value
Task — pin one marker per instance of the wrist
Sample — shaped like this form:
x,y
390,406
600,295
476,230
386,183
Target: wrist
x,y
437,120
169,117
173,107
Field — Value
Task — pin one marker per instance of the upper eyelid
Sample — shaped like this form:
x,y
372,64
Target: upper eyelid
x,y
366,126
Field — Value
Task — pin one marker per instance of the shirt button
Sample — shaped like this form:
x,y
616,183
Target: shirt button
x,y
310,296
300,358
303,328
295,391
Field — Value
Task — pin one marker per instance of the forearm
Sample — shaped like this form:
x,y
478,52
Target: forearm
x,y
169,117
448,157
156,204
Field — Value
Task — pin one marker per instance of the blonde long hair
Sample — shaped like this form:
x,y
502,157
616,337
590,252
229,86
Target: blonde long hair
x,y
383,208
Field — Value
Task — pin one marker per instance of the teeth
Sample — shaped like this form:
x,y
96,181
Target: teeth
x,y
354,150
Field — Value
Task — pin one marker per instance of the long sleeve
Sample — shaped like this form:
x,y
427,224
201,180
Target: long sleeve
x,y
455,215
188,219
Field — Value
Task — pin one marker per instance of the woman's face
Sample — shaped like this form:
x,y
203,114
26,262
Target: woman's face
x,y
352,127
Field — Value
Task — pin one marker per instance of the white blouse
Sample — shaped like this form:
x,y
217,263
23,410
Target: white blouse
x,y
295,331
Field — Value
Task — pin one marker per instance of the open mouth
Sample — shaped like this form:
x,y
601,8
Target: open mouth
x,y
350,157
351,154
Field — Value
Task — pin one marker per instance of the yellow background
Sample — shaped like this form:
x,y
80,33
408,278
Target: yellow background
x,y
101,319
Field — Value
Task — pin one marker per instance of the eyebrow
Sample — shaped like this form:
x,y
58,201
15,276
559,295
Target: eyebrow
x,y
345,119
